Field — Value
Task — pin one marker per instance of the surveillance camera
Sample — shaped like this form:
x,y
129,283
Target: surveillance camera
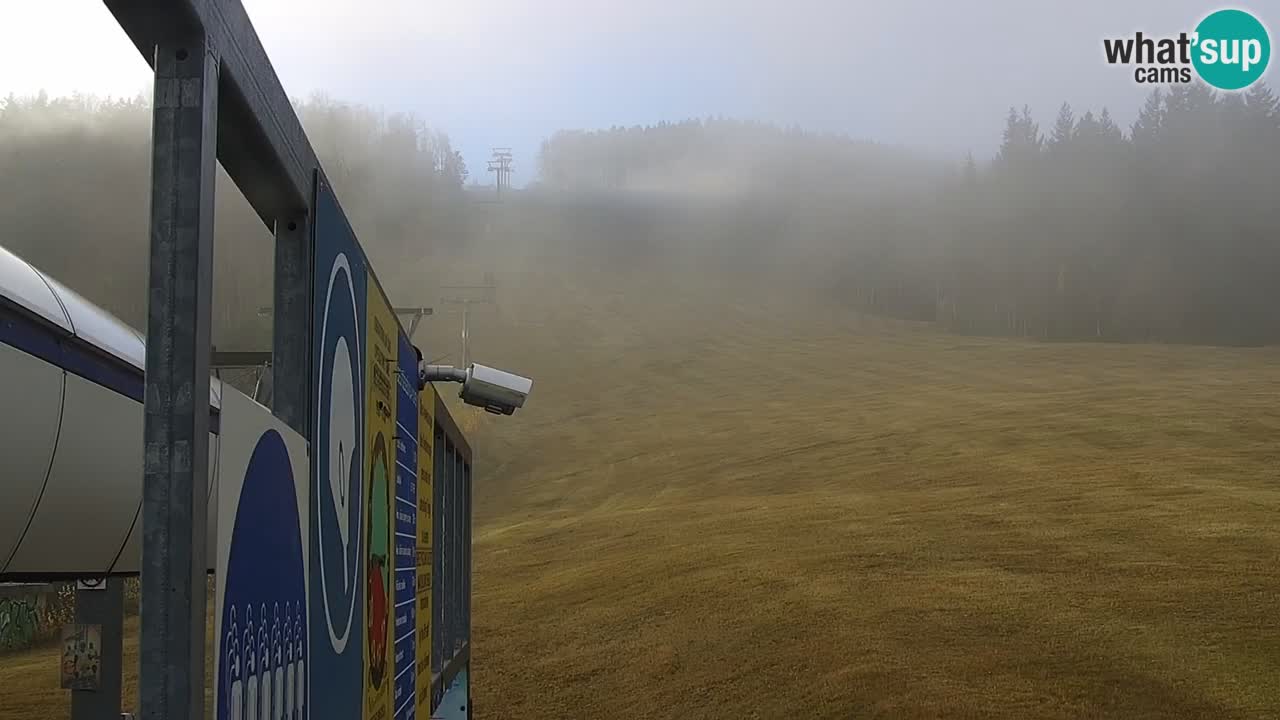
x,y
496,391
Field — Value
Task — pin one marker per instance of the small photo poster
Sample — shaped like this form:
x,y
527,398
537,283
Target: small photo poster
x,y
81,657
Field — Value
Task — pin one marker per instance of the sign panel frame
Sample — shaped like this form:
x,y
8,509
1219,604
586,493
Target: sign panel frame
x,y
260,624
425,495
406,524
381,361
336,596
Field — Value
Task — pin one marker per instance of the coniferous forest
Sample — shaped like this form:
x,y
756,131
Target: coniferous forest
x,y
1078,228
1167,230
74,178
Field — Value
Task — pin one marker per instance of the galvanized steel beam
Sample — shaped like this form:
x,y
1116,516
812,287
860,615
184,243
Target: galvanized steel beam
x,y
176,401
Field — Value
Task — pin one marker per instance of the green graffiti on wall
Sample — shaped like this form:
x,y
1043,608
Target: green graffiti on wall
x,y
18,622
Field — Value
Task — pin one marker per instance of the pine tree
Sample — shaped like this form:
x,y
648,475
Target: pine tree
x,y
1011,132
1150,119
1062,129
1022,139
1262,107
970,170
1086,131
1108,131
1031,131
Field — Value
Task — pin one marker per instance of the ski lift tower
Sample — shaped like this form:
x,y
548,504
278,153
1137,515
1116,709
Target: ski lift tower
x,y
500,165
466,296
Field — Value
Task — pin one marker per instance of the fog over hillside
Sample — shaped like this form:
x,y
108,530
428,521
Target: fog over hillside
x,y
1077,229
831,417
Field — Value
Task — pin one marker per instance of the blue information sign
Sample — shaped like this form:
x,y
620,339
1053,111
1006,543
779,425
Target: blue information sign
x,y
335,614
406,534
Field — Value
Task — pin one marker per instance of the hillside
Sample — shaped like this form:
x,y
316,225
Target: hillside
x,y
733,495
727,499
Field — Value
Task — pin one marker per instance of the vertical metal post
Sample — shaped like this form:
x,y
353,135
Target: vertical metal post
x,y
459,552
439,548
467,513
102,606
176,424
466,569
466,307
291,328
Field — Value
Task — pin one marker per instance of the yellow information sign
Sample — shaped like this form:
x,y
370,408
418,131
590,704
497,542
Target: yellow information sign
x,y
426,436
381,363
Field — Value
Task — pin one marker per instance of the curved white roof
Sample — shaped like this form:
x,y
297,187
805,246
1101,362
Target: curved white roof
x,y
25,286
99,327
67,309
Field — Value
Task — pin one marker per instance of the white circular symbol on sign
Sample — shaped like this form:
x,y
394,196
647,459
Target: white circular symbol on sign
x,y
341,459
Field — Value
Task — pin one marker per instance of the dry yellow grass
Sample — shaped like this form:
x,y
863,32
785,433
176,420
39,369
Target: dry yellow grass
x,y
718,504
29,681
764,510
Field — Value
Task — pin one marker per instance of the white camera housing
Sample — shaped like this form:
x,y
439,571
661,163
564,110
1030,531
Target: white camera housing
x,y
494,390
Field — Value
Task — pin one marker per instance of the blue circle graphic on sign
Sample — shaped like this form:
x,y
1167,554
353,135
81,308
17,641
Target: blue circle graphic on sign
x,y
338,457
262,658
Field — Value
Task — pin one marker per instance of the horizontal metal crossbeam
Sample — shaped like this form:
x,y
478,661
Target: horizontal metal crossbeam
x,y
261,143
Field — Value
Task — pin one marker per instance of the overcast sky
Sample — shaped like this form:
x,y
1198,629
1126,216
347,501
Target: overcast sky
x,y
936,74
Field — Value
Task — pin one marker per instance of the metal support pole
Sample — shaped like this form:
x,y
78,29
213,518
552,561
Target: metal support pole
x,y
102,606
176,423
466,306
291,328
